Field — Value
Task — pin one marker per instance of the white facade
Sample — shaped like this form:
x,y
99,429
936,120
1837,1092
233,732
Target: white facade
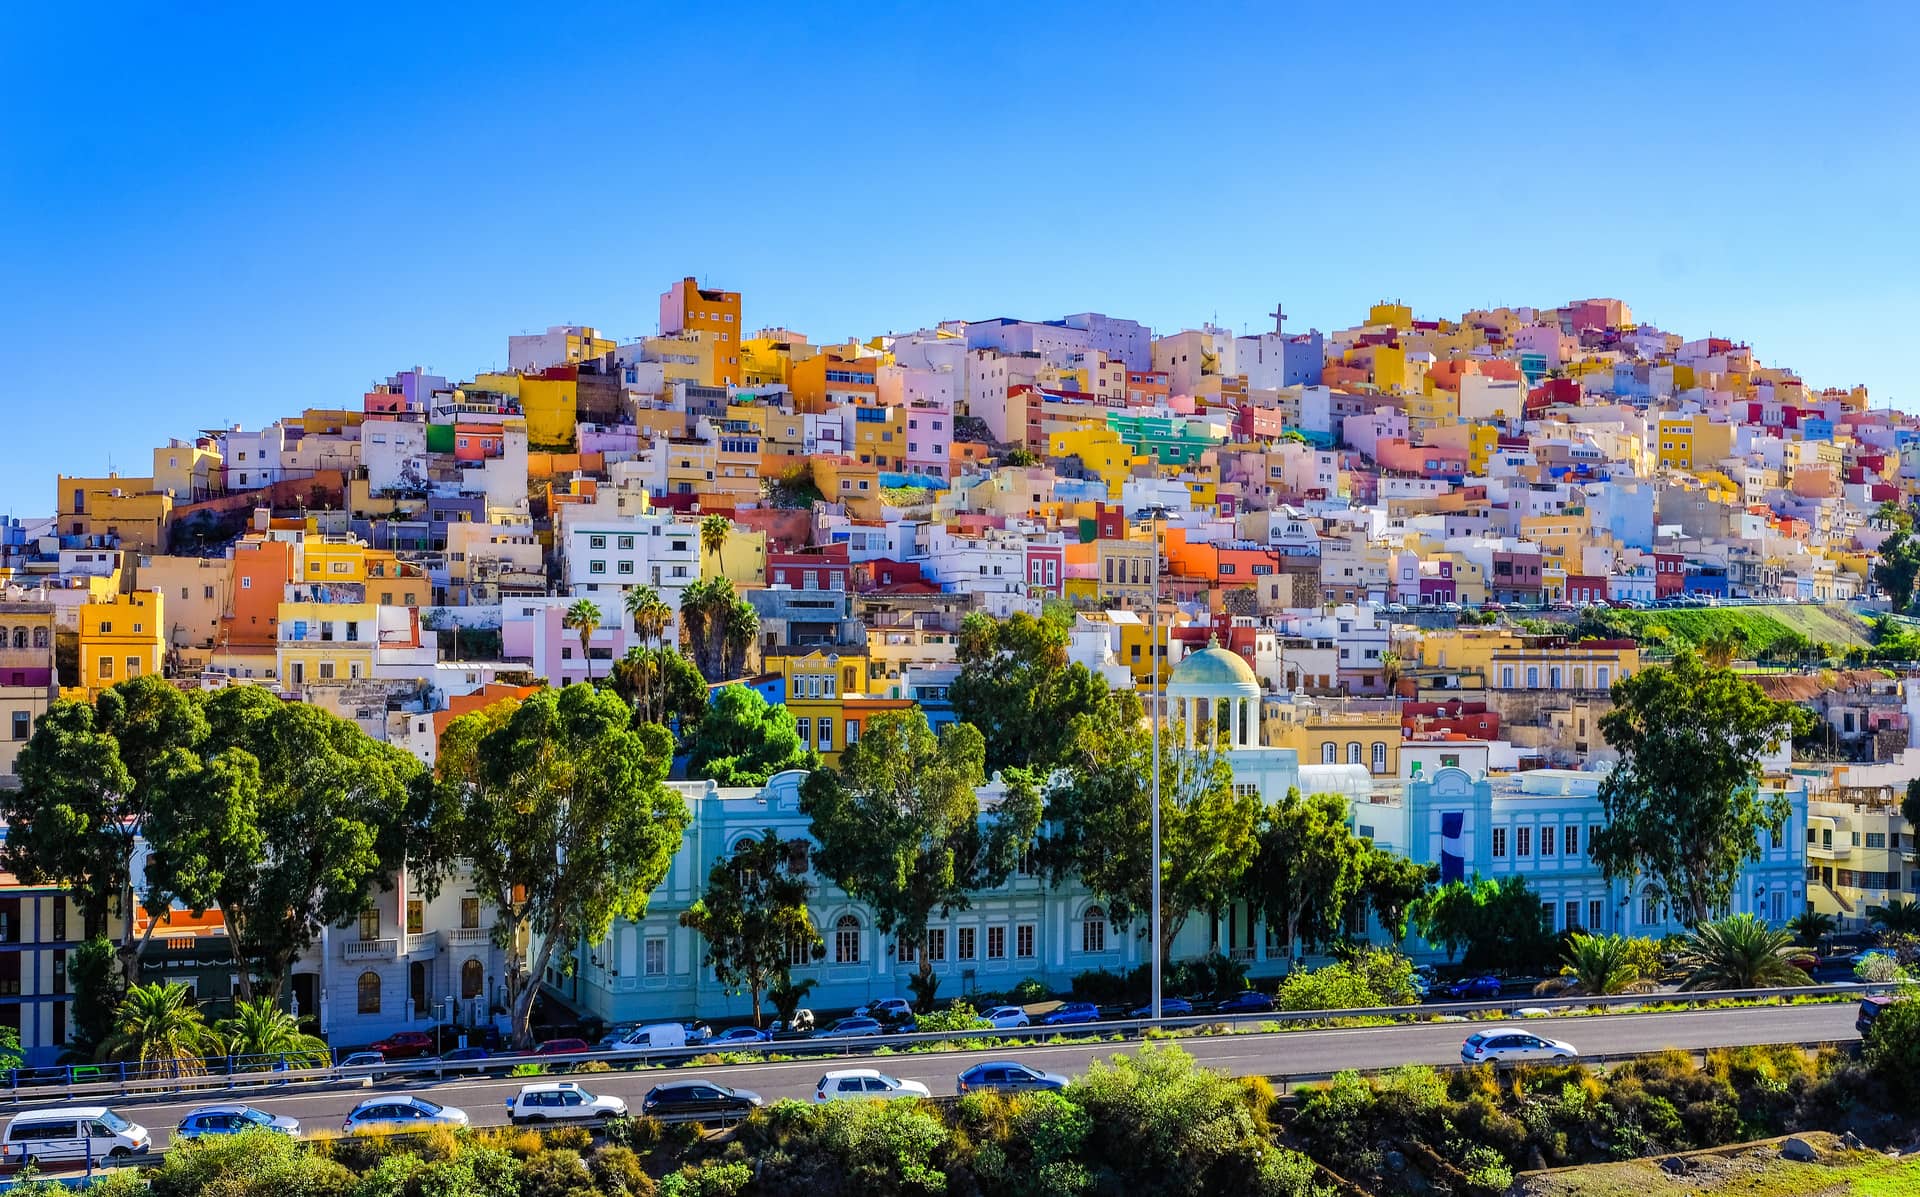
x,y
253,459
394,453
606,557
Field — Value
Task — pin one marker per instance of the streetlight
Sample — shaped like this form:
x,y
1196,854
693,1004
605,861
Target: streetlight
x,y
1156,512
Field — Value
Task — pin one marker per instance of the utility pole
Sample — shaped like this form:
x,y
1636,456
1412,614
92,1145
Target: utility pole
x,y
1158,512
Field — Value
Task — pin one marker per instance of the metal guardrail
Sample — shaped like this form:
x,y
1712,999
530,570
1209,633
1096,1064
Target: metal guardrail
x,y
1287,1084
230,1074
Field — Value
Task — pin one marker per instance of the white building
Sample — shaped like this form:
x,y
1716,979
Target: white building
x,y
253,459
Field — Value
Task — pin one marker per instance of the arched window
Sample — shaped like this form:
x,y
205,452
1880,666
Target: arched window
x,y
1093,930
1329,753
846,940
3,637
369,993
1379,756
1353,752
39,637
472,978
19,637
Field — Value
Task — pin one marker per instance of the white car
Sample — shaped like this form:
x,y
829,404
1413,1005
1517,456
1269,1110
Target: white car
x,y
1003,1017
401,1113
1503,1044
561,1101
854,1084
892,1009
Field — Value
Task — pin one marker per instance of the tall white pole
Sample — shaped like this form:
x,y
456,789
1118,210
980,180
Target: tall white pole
x,y
1154,799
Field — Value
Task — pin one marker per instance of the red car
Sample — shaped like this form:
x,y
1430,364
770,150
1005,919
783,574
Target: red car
x,y
405,1045
561,1047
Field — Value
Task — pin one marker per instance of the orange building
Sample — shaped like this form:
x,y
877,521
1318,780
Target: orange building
x,y
827,379
688,307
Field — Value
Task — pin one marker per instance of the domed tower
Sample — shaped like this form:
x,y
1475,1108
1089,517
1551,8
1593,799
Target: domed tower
x,y
1215,687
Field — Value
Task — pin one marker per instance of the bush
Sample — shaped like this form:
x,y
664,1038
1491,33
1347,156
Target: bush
x,y
1028,1146
1892,1051
1879,968
1101,987
958,1016
707,1180
618,1170
554,1174
1159,1123
1027,992
252,1164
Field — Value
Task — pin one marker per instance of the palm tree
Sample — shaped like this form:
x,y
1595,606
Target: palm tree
x,y
261,1029
1739,952
1812,927
1896,918
1596,965
743,624
714,530
650,613
584,618
157,1029
1723,647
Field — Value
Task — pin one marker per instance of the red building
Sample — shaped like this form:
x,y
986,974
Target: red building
x,y
824,567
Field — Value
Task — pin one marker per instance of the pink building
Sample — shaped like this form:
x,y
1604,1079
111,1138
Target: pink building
x,y
478,442
534,630
1363,433
929,439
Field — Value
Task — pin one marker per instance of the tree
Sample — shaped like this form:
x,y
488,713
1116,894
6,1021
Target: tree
x,y
1898,567
1910,803
1683,806
1498,923
754,917
1722,648
261,1032
717,626
661,686
564,815
1738,952
649,612
157,1029
1308,869
98,985
1892,1047
1896,918
1099,817
1594,966
1812,927
743,740
1392,885
1017,686
714,530
584,617
900,825
1019,457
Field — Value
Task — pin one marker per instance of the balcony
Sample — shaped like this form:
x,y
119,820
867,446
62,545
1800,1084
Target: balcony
x,y
423,947
369,949
461,937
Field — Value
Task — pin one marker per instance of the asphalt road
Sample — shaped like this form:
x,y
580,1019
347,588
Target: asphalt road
x,y
1275,1054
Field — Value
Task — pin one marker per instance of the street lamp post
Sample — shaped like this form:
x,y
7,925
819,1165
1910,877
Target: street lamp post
x,y
1153,801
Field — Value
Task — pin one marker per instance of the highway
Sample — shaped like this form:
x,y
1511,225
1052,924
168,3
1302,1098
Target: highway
x,y
1300,1053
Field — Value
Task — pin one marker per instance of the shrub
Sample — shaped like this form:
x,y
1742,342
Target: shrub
x,y
1160,1123
1100,987
253,1164
554,1174
1026,992
618,1170
707,1180
592,1066
958,1016
1028,1146
1892,1051
1878,968
573,1138
1338,986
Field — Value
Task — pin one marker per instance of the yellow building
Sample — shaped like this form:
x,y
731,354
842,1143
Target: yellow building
x,y
1399,315
121,636
326,642
714,317
1101,452
1520,661
189,471
1335,731
767,360
387,580
128,509
818,683
742,560
1432,407
1691,442
880,437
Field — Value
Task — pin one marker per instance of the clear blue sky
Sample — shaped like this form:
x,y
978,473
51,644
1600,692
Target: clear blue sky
x,y
230,215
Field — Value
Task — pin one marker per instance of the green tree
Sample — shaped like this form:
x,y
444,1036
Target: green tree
x,y
1017,686
1683,806
565,818
754,916
718,627
1897,568
157,1028
1724,646
1099,819
1896,918
1892,1048
714,530
900,825
98,985
650,614
1596,965
661,685
1498,923
260,1030
1910,803
1019,457
1812,927
743,740
1392,886
1739,952
584,617
1307,871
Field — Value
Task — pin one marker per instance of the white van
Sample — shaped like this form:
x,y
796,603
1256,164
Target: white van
x,y
71,1133
651,1037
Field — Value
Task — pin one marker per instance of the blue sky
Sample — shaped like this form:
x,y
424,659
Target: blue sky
x,y
230,215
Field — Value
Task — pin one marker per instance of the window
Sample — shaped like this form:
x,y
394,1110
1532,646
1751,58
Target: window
x,y
1649,908
370,923
936,943
1523,841
1353,752
996,943
22,725
1533,677
106,667
1595,912
1379,756
904,952
1023,941
964,943
1093,930
625,542
1571,838
826,734
470,913
846,940
1875,839
596,567
805,727
625,567
596,542
416,916
1573,916
1329,753
1546,841
1499,842
472,978
654,963
1506,677
369,993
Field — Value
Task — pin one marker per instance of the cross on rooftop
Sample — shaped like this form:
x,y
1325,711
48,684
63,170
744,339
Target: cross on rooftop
x,y
1279,314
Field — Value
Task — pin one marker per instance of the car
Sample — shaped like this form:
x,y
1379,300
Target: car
x,y
892,1009
465,1059
1456,608
231,1120
405,1045
1870,1009
741,1035
1006,1017
650,1037
1008,1077
400,1113
1395,608
1072,1012
561,1101
846,1027
1501,1044
366,1060
71,1133
1170,1007
1247,1001
699,1097
698,1032
1470,988
854,1084
617,1032
562,1047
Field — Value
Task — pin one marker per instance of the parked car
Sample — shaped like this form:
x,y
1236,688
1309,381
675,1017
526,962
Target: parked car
x,y
399,1113
561,1101
619,1031
1072,1012
1247,1001
465,1059
231,1120
1870,1008
1008,1077
1169,1008
1501,1044
69,1133
853,1084
1005,1017
891,1009
740,1035
698,1032
854,1025
651,1036
365,1060
562,1047
1471,988
699,1097
405,1045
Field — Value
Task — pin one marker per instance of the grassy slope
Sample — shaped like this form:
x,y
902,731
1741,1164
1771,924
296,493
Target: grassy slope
x,y
1758,1172
1763,625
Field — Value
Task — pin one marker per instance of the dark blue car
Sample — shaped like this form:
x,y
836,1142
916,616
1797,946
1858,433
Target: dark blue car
x,y
1072,1012
1169,1007
1471,988
1247,1001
